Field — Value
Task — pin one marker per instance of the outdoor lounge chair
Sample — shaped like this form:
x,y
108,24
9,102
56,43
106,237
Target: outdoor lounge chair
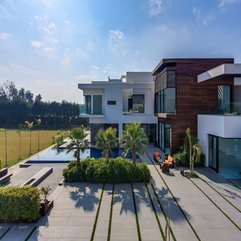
x,y
170,161
167,164
164,166
157,157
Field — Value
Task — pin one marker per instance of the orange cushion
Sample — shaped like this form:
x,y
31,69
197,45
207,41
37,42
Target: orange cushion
x,y
170,158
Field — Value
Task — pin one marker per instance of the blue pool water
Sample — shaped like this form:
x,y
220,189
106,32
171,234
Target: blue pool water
x,y
53,155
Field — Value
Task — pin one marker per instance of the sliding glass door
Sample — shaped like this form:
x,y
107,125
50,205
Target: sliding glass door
x,y
164,137
213,152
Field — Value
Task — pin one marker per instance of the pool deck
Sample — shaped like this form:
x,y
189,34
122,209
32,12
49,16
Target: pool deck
x,y
207,208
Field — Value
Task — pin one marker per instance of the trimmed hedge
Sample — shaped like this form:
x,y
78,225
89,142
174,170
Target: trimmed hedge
x,y
118,170
19,204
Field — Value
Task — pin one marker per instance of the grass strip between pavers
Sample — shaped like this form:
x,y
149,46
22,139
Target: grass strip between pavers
x,y
221,195
216,205
8,229
174,198
30,234
157,219
97,214
160,205
111,211
137,222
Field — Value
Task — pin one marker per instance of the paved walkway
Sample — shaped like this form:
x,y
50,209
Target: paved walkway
x,y
123,226
204,216
149,228
197,209
101,232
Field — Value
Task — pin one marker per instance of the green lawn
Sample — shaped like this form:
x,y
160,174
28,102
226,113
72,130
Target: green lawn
x,y
13,144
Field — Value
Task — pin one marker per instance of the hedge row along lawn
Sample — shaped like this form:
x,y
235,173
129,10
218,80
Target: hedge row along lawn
x,y
118,170
13,144
19,204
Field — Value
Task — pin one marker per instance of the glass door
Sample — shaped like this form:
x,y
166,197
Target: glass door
x,y
213,152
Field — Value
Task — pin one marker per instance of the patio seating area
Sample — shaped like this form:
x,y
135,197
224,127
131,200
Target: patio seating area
x,y
169,206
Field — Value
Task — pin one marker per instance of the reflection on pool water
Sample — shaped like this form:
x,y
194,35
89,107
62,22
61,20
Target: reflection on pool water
x,y
53,155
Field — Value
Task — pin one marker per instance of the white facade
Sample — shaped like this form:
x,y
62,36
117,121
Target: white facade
x,y
119,91
226,126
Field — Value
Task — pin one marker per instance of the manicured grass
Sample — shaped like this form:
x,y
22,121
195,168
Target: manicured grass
x,y
13,144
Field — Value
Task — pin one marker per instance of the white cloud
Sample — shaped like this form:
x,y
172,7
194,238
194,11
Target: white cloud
x,y
5,36
36,44
41,46
156,7
94,67
202,18
83,53
117,43
223,3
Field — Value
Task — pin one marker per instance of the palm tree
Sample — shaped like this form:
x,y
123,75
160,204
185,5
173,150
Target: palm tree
x,y
195,151
29,126
106,141
20,144
134,140
78,142
6,146
38,124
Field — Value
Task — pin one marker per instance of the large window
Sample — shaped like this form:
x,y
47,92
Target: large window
x,y
224,99
97,104
165,101
164,137
224,156
88,104
136,103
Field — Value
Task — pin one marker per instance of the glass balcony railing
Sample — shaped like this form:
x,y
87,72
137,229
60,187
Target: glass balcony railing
x,y
228,108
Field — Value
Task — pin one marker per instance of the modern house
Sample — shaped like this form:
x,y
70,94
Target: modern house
x,y
203,94
117,102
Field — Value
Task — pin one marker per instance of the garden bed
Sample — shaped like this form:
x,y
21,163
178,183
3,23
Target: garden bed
x,y
118,170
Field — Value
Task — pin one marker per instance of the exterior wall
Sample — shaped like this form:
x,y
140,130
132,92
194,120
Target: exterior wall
x,y
140,77
137,83
218,125
192,98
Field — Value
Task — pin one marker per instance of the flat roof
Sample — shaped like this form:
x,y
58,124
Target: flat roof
x,y
172,61
233,70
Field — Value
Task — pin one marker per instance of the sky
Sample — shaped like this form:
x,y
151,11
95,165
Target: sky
x,y
49,46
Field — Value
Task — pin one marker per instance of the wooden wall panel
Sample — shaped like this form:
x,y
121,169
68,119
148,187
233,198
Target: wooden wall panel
x,y
193,98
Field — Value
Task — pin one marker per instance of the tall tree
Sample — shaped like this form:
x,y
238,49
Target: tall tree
x,y
29,126
106,141
38,98
134,140
29,96
195,151
19,144
6,145
78,142
38,124
21,94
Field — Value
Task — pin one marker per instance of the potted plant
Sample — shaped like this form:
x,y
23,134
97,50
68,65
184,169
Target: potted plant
x,y
45,204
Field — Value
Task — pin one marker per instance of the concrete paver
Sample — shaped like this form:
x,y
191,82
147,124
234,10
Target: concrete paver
x,y
101,231
123,213
73,214
148,224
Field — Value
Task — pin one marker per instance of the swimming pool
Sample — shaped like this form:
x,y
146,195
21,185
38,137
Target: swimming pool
x,y
53,155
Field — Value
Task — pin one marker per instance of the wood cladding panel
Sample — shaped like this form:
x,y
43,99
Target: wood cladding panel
x,y
193,98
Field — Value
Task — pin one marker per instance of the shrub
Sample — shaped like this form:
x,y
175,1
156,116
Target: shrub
x,y
118,170
19,204
182,159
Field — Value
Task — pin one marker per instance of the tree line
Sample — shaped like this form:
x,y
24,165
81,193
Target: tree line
x,y
19,105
